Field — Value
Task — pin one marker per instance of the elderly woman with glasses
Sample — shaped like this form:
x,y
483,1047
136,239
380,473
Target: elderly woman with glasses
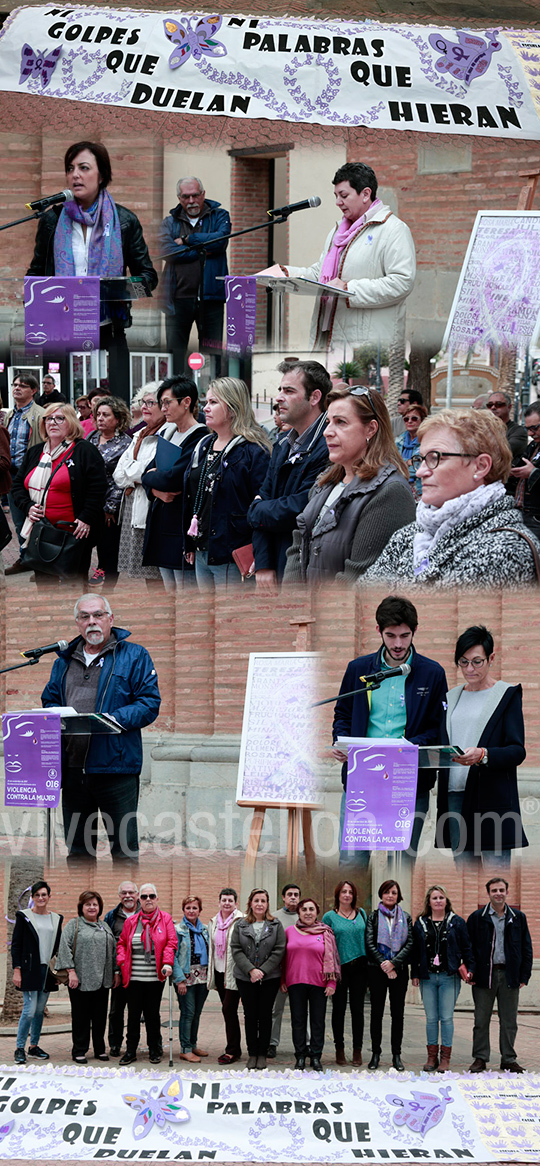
x,y
128,475
62,481
468,531
145,955
357,504
478,802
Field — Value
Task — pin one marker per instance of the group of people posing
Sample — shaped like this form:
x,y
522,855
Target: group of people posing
x,y
191,497
262,958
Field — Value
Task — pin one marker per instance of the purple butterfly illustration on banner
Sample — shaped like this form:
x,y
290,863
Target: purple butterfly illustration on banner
x,y
196,39
159,1110
5,1130
38,64
468,59
421,1111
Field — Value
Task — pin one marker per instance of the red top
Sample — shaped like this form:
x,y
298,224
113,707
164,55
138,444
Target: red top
x,y
59,505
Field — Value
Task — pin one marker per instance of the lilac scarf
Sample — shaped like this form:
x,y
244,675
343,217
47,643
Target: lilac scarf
x,y
343,236
105,252
392,931
221,933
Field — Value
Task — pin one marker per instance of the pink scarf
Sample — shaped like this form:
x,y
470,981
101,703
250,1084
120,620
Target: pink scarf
x,y
149,923
221,933
343,236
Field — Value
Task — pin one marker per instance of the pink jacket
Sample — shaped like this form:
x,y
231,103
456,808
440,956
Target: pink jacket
x,y
164,939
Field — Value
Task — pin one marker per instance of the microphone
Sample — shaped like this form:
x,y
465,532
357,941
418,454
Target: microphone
x,y
35,653
377,677
296,206
41,204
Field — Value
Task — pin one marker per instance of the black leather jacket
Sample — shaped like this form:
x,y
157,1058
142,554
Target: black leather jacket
x,y
134,249
401,957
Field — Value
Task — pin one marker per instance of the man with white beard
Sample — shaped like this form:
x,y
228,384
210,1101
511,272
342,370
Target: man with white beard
x,y
101,671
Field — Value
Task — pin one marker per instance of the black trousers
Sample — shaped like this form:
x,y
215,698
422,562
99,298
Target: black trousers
x,y
257,1002
302,997
229,1007
379,985
353,983
116,1016
116,796
107,544
208,316
143,1000
88,1016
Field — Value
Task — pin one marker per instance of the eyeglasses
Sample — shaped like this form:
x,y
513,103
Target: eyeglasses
x,y
141,897
149,404
363,391
532,428
403,401
58,419
478,662
496,404
432,458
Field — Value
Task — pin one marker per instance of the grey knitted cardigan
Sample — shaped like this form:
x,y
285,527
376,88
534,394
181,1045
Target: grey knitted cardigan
x,y
95,950
353,533
470,555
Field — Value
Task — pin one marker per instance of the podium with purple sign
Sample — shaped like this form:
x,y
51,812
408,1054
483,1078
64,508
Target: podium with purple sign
x,y
382,776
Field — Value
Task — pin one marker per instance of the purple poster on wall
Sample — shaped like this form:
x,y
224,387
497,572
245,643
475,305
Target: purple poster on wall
x,y
381,794
62,311
241,297
32,758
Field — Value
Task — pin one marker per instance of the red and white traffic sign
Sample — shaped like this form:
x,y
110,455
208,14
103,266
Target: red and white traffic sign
x,y
196,361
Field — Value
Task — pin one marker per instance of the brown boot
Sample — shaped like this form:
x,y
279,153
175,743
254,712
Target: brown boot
x,y
340,1057
432,1058
444,1063
357,1057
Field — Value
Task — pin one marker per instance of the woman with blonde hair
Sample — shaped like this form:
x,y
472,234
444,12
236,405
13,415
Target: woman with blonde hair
x,y
359,502
62,482
226,471
442,957
468,531
111,439
257,948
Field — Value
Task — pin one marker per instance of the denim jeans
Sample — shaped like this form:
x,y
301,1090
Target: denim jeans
x,y
31,1021
439,994
191,1006
173,579
210,575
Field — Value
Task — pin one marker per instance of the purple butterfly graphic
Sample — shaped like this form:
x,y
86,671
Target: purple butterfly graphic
x,y
5,1130
467,60
422,1111
37,64
193,38
159,1110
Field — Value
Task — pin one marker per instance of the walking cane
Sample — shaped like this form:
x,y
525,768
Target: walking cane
x,y
170,1023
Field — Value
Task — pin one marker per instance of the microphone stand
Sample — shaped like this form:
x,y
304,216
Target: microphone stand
x,y
26,664
202,248
28,218
369,686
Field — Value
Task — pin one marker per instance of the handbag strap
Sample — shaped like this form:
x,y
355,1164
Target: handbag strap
x,y
55,471
533,545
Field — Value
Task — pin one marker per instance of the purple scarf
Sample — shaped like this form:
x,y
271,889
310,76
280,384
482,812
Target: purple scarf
x,y
343,236
392,931
105,252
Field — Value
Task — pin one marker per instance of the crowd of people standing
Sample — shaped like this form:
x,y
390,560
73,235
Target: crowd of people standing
x,y
116,967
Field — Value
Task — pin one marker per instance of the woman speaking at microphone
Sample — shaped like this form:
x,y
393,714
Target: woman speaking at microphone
x,y
92,235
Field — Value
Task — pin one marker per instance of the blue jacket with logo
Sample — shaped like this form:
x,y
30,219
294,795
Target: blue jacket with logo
x,y
127,690
214,222
283,495
425,703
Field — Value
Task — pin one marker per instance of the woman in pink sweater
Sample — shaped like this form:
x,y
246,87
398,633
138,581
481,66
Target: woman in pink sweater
x,y
312,969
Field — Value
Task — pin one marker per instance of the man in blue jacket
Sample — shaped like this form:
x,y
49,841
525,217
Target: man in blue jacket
x,y
194,220
297,460
503,956
412,707
101,672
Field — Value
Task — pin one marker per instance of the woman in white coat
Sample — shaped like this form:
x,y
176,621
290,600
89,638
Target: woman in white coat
x,y
128,473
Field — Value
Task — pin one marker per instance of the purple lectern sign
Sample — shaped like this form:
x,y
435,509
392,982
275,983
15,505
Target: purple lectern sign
x,y
381,794
62,310
32,758
241,297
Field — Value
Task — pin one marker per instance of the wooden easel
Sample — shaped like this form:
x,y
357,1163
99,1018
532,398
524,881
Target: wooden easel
x,y
299,817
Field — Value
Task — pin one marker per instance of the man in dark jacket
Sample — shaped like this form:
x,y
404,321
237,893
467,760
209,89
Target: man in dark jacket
x,y
297,460
129,905
101,672
503,954
50,395
189,297
412,707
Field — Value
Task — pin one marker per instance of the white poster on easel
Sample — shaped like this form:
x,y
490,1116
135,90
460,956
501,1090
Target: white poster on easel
x,y
497,299
278,756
